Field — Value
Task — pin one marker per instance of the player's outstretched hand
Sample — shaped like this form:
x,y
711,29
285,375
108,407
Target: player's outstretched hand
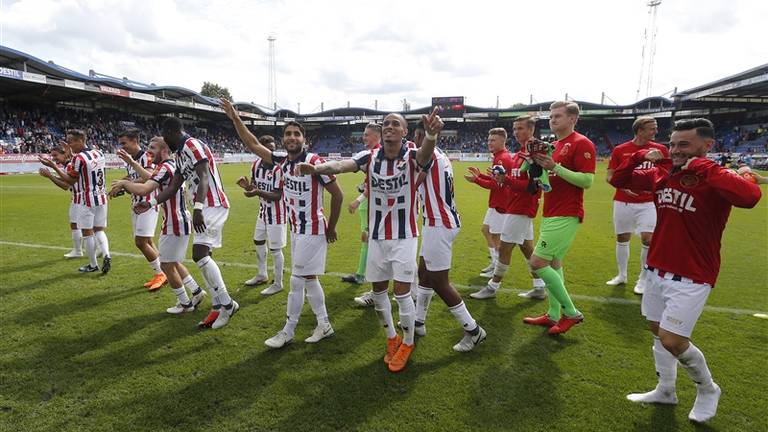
x,y
45,172
141,207
304,168
242,182
654,155
228,108
473,174
433,125
122,154
198,222
330,235
46,161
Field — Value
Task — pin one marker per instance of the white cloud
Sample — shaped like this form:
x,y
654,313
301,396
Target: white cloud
x,y
361,51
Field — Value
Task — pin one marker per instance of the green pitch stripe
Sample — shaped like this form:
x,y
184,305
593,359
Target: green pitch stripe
x,y
460,287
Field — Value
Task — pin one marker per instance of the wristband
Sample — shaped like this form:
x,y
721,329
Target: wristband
x,y
153,202
431,137
199,206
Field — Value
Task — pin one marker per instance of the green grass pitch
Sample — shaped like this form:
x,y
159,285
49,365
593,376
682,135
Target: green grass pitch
x,y
85,352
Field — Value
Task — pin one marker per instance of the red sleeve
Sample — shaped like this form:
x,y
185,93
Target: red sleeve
x,y
732,187
517,184
625,176
487,182
73,169
584,157
615,158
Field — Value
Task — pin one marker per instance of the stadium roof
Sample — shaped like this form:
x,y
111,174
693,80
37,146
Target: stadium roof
x,y
750,86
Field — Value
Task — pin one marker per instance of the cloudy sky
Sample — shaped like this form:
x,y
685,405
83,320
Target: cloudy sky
x,y
361,51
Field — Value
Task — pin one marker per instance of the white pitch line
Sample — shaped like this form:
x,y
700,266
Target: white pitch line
x,y
460,287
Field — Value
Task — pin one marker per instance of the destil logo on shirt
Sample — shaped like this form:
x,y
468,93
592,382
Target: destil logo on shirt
x,y
674,199
296,186
389,184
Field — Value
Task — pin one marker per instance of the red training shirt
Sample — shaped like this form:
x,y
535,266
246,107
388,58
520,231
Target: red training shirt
x,y
577,153
625,150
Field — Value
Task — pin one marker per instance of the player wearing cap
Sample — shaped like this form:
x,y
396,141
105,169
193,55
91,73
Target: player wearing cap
x,y
693,198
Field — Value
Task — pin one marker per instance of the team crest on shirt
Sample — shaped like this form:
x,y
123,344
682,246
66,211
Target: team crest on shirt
x,y
689,180
269,175
401,165
587,155
565,149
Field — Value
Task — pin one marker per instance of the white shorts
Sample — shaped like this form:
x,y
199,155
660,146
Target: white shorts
x,y
437,247
144,224
73,212
90,217
633,217
675,305
214,226
392,260
494,220
308,254
517,229
173,248
275,235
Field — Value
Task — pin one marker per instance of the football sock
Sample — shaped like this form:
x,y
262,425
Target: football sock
x,y
213,280
407,316
384,312
90,249
423,298
695,365
190,283
492,252
622,257
643,257
295,303
463,316
556,287
77,236
278,259
538,283
261,258
156,266
561,273
363,259
101,238
666,364
501,270
494,285
181,294
316,299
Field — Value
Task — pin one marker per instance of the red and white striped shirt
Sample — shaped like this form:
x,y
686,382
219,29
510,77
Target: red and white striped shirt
x,y
89,168
145,160
176,220
190,154
77,196
303,195
392,197
269,178
436,193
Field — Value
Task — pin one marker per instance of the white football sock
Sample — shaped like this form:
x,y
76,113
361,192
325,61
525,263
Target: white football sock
x,y
181,294
463,316
156,266
77,236
90,249
261,258
279,261
213,280
493,252
101,238
423,298
538,283
294,305
316,299
643,257
666,364
190,283
493,285
622,258
384,312
407,316
500,270
695,365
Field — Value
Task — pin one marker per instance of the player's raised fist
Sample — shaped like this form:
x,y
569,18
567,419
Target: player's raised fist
x,y
654,155
242,182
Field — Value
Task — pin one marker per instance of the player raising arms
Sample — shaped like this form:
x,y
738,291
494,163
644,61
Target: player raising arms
x,y
572,169
267,183
62,158
693,198
88,171
633,210
176,229
139,167
195,164
303,196
391,174
521,209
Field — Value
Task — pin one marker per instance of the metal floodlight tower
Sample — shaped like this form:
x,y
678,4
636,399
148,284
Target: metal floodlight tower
x,y
649,44
272,77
